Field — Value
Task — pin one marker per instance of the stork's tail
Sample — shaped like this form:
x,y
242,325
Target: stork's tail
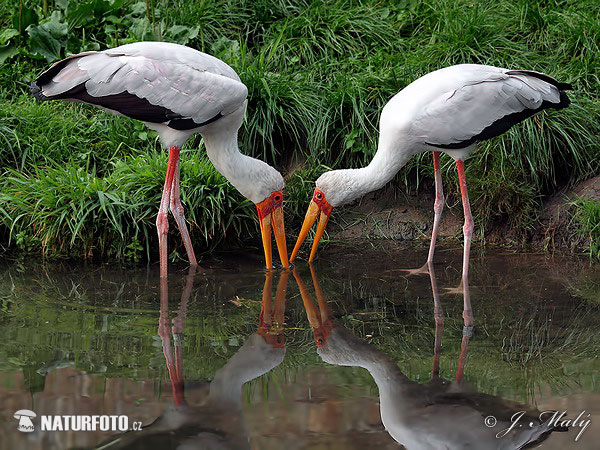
x,y
36,91
562,87
564,99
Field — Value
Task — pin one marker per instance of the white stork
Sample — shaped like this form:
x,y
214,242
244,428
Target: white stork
x,y
176,91
448,111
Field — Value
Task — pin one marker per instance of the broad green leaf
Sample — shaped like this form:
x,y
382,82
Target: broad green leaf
x,y
142,30
101,7
23,18
43,43
73,45
56,26
7,52
80,15
139,9
7,34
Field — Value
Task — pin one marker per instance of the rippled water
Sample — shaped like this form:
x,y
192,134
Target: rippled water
x,y
232,357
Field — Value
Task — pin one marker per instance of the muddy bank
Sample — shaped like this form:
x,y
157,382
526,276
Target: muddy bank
x,y
408,219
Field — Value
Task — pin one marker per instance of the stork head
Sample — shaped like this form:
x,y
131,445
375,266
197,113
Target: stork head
x,y
262,185
270,215
329,192
333,188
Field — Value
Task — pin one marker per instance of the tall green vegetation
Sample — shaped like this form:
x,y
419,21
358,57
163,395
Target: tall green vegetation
x,y
318,74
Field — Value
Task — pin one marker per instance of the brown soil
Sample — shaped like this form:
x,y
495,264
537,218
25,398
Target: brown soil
x,y
386,214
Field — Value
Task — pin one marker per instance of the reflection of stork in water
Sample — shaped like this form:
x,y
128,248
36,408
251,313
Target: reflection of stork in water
x,y
439,414
218,422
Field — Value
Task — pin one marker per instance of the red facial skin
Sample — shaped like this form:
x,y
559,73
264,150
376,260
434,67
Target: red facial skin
x,y
268,205
322,333
319,199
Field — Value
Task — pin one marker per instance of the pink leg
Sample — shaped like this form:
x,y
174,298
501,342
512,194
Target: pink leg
x,y
162,221
177,210
438,206
468,227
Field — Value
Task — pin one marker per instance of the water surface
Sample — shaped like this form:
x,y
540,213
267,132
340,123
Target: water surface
x,y
233,356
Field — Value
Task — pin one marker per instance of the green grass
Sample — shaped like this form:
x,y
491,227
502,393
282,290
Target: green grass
x,y
587,215
318,74
69,209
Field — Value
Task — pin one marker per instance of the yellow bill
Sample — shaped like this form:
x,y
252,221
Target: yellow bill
x,y
319,207
270,215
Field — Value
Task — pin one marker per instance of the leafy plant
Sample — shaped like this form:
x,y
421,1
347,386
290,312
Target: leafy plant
x,y
587,214
318,75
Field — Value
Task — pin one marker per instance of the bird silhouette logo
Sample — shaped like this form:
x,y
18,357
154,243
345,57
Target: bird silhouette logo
x,y
24,417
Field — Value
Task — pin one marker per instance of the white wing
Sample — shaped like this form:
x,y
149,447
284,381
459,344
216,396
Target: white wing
x,y
485,103
181,83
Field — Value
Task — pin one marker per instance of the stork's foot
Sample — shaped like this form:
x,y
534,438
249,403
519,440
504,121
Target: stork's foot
x,y
423,270
458,290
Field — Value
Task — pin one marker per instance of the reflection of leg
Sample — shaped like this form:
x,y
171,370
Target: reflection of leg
x,y
164,332
438,314
178,213
266,308
467,330
174,367
179,320
177,381
162,221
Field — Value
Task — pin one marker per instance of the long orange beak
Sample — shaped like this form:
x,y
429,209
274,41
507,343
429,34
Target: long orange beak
x,y
270,215
317,208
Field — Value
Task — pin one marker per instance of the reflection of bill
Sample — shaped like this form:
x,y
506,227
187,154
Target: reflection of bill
x,y
439,414
218,422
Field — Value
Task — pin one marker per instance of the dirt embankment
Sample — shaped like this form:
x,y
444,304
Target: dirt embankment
x,y
388,215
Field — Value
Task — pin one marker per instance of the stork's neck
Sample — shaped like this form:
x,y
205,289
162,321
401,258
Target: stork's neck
x,y
344,186
254,179
389,159
222,150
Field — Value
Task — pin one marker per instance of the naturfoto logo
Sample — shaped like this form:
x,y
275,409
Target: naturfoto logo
x,y
74,422
25,424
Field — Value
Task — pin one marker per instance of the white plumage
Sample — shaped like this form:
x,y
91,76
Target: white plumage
x,y
189,83
448,110
177,91
455,104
